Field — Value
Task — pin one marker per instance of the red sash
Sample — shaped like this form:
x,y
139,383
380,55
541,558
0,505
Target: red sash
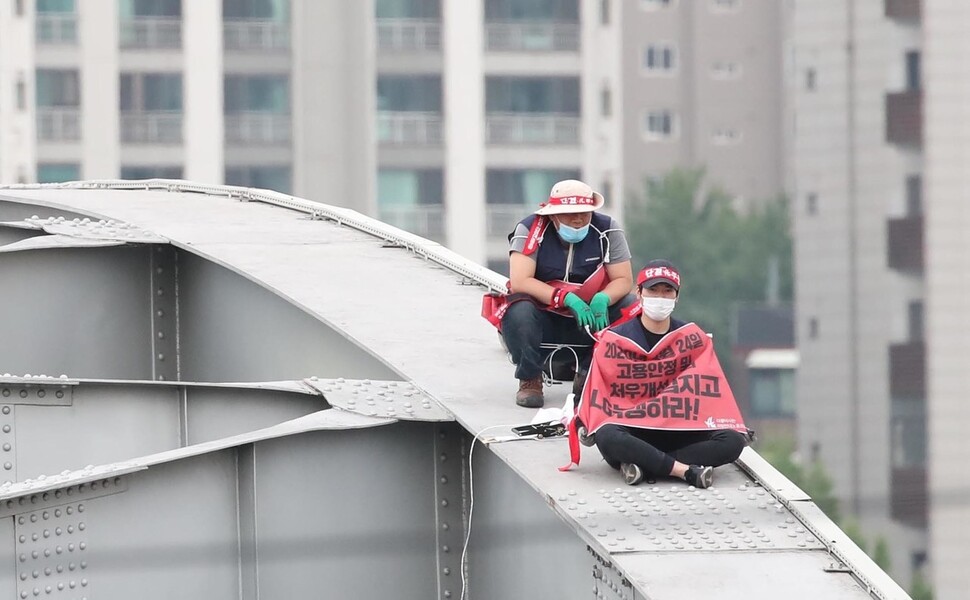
x,y
494,305
678,385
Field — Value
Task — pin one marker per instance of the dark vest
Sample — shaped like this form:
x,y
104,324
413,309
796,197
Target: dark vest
x,y
588,254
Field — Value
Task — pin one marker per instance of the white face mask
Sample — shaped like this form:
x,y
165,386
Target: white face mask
x,y
657,309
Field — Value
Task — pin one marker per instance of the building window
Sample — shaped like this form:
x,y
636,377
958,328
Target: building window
x,y
19,7
149,8
413,200
810,79
913,75
659,59
726,69
725,5
151,172
811,203
410,93
273,10
150,92
58,172
257,93
813,328
914,195
915,318
657,4
21,93
269,178
409,9
772,393
532,95
908,418
58,88
604,12
659,125
606,101
523,187
727,136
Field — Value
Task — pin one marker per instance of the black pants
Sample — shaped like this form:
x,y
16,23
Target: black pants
x,y
655,450
526,325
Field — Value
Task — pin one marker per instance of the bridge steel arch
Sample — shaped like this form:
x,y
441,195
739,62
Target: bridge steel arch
x,y
215,392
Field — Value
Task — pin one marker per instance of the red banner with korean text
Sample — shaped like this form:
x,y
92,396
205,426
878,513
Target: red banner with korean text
x,y
679,384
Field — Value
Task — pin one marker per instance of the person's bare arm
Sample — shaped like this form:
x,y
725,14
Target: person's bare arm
x,y
522,271
621,280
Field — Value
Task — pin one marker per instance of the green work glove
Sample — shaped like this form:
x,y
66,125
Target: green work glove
x,y
600,305
580,310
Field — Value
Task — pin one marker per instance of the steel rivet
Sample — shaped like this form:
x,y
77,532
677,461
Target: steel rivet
x,y
23,393
59,394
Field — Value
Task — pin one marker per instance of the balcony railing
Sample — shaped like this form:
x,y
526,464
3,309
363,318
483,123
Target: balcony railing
x,y
58,124
532,37
427,220
155,127
500,219
904,9
409,128
408,35
539,129
56,29
151,32
260,35
904,117
905,244
907,370
258,129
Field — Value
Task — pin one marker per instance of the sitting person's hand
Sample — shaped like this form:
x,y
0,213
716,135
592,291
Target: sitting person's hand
x,y
600,306
579,308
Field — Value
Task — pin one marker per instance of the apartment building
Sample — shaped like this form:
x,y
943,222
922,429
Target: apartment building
x,y
877,94
449,119
246,92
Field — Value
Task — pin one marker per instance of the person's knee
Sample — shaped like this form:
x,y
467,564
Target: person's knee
x,y
733,444
521,319
609,438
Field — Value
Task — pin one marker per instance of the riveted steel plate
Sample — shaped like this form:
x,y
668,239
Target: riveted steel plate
x,y
70,486
373,398
39,390
608,582
8,445
52,551
669,516
45,242
99,230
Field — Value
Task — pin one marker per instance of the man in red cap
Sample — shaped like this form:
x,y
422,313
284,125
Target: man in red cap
x,y
649,453
572,264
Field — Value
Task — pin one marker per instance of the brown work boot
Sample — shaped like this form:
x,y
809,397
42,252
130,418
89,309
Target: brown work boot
x,y
530,393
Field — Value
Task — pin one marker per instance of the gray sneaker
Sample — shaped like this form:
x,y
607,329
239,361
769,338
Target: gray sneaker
x,y
632,474
699,477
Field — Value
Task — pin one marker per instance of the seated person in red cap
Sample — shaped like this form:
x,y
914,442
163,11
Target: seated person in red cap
x,y
572,265
651,453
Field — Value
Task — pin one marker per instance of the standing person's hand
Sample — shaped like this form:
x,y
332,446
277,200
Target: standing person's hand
x,y
580,310
600,306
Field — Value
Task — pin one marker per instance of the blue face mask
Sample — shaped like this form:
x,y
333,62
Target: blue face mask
x,y
571,235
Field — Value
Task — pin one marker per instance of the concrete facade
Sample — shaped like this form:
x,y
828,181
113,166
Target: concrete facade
x,y
721,86
857,161
529,92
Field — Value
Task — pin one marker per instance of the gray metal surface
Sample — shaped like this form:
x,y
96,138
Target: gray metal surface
x,y
272,507
392,399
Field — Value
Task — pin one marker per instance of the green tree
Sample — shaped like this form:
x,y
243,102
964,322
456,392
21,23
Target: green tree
x,y
725,255
920,589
